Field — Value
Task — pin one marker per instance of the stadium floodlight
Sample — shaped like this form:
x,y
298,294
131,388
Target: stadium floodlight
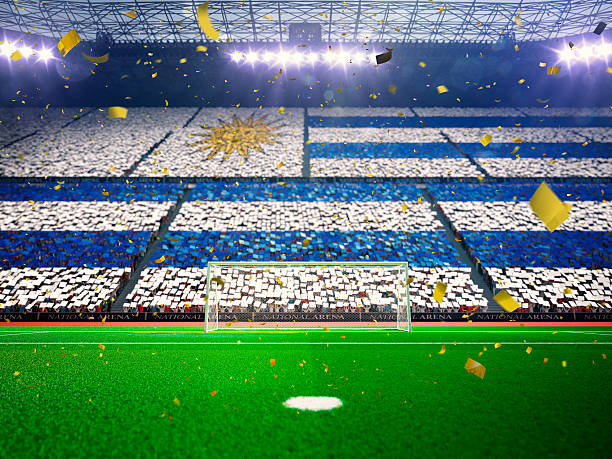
x,y
347,293
236,56
251,57
7,49
45,54
586,52
26,51
312,58
329,57
267,57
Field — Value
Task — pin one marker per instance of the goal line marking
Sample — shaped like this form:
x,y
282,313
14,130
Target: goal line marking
x,y
306,343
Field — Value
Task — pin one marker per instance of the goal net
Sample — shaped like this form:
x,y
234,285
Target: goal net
x,y
308,294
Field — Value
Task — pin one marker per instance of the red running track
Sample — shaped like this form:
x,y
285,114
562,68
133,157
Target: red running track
x,y
307,324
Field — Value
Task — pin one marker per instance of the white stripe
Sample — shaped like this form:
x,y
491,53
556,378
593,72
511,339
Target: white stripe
x,y
389,167
305,216
545,286
566,111
467,111
518,216
506,135
359,135
284,343
81,215
361,111
540,167
78,288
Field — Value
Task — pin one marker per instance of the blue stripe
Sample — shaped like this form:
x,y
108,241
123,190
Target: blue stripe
x,y
539,150
364,121
384,150
70,248
560,249
522,191
305,191
193,248
457,121
516,121
90,191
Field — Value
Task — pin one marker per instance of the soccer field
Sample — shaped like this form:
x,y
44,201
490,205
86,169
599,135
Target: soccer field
x,y
176,391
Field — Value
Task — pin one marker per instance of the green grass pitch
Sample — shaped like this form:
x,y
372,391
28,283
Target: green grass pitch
x,y
178,392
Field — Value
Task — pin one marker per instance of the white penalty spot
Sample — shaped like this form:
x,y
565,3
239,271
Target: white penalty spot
x,y
313,403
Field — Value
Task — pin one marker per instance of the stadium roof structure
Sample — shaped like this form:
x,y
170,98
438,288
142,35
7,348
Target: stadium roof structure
x,y
395,21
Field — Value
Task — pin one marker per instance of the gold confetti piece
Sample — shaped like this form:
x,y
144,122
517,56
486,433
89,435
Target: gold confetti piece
x,y
567,291
528,350
516,48
160,260
564,364
392,89
214,392
176,401
604,356
305,243
609,70
542,101
542,64
103,320
442,89
517,20
117,112
472,366
68,41
384,57
422,65
279,165
548,207
504,299
272,362
553,70
96,60
16,373
183,60
486,140
205,23
404,207
16,55
545,360
410,280
497,345
102,346
443,350
279,282
555,332
439,292
281,109
154,75
57,187
201,49
131,14
218,280
521,81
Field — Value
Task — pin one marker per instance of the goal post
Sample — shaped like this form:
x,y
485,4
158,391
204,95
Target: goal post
x,y
302,293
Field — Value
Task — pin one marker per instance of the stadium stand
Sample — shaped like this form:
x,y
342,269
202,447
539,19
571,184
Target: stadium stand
x,y
518,254
94,145
72,247
276,145
105,228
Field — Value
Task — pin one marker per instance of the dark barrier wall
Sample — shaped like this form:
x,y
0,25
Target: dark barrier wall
x,y
304,317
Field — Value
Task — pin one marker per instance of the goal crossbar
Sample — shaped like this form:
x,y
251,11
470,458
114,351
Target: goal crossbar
x,y
211,267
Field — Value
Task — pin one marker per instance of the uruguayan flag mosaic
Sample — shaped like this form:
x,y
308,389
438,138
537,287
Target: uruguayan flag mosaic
x,y
70,246
569,269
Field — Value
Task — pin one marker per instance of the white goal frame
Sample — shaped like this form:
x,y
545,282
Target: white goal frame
x,y
215,323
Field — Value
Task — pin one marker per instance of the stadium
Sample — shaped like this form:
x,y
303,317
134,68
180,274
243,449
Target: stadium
x,y
254,228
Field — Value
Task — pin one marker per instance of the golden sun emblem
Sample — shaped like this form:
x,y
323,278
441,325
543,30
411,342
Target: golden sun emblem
x,y
237,135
